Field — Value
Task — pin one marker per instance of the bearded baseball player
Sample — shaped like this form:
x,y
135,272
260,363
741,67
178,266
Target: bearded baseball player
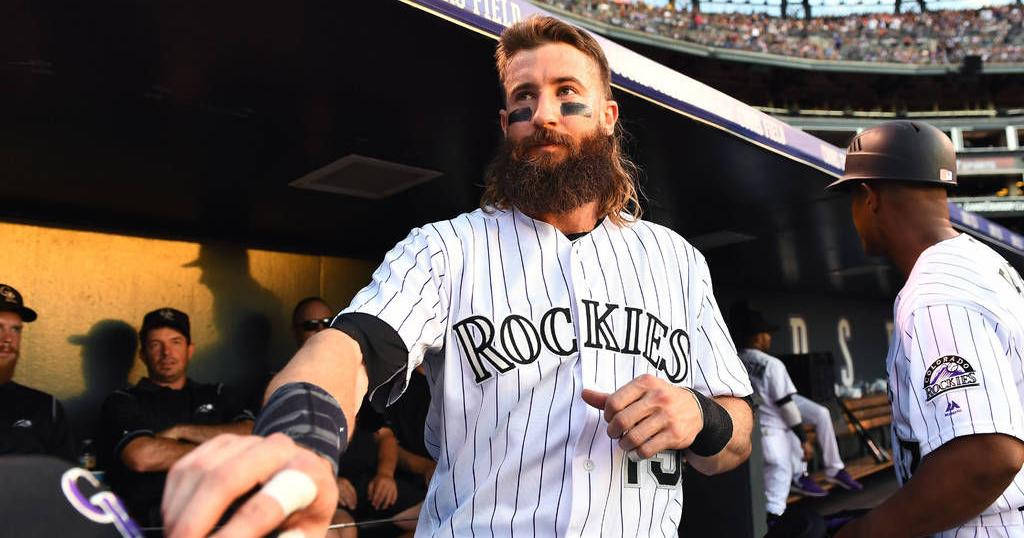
x,y
575,354
954,363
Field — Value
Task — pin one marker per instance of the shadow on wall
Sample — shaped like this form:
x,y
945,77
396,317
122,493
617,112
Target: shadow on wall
x,y
108,353
251,339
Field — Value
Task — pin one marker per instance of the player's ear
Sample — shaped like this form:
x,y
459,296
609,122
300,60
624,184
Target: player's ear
x,y
609,116
503,112
870,195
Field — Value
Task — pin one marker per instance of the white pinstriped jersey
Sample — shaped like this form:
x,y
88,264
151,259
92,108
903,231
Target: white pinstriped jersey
x,y
955,364
512,321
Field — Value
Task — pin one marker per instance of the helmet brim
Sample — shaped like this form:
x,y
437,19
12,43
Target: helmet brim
x,y
844,184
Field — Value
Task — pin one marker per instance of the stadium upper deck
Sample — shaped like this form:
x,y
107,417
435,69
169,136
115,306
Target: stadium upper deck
x,y
947,37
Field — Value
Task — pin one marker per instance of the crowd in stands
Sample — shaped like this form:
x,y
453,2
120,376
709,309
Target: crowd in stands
x,y
933,37
146,427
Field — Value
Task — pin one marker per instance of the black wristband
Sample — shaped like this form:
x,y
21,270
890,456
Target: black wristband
x,y
310,416
798,430
717,430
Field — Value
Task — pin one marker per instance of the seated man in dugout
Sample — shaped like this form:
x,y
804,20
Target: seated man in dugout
x,y
31,421
781,417
407,418
149,426
373,483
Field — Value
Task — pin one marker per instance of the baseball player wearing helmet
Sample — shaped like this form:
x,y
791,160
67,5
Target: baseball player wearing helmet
x,y
575,354
954,363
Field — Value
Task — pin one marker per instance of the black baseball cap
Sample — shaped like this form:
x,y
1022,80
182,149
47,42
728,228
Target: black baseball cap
x,y
746,322
44,496
165,317
11,301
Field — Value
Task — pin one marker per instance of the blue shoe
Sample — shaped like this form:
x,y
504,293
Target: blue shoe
x,y
807,486
845,481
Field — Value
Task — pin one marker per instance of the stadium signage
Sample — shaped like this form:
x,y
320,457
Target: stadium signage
x,y
972,165
503,12
1006,206
965,220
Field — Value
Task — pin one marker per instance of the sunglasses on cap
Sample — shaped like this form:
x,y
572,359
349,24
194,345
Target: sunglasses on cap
x,y
314,324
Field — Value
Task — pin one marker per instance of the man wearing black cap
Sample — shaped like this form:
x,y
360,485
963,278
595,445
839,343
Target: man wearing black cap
x,y
148,427
781,414
31,422
956,377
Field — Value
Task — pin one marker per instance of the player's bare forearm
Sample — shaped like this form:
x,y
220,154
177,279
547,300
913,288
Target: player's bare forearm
x,y
151,454
333,361
200,433
382,491
738,449
387,452
964,476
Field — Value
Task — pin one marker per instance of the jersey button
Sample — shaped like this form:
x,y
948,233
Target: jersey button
x,y
588,465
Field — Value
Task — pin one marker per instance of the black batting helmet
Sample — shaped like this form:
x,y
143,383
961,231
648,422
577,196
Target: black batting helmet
x,y
910,151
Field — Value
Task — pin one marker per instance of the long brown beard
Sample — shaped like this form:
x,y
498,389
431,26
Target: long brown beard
x,y
541,184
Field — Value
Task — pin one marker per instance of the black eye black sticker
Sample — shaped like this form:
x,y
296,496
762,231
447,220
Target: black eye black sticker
x,y
523,114
576,109
568,109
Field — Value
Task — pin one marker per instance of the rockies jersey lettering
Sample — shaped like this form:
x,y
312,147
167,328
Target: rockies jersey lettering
x,y
521,342
512,320
955,365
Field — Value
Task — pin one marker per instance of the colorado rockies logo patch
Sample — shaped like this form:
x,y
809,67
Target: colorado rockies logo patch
x,y
948,373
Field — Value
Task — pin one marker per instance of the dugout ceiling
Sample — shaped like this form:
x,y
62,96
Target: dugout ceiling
x,y
189,120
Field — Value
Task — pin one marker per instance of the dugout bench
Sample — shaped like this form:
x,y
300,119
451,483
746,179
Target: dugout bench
x,y
868,418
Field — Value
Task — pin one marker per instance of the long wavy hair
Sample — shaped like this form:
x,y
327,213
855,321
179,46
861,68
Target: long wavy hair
x,y
620,204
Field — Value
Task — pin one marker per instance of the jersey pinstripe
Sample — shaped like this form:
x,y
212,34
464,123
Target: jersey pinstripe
x,y
512,321
955,365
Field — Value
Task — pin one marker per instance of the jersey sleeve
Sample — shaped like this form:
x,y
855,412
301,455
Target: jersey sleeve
x,y
122,420
777,382
960,376
400,315
234,406
714,364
